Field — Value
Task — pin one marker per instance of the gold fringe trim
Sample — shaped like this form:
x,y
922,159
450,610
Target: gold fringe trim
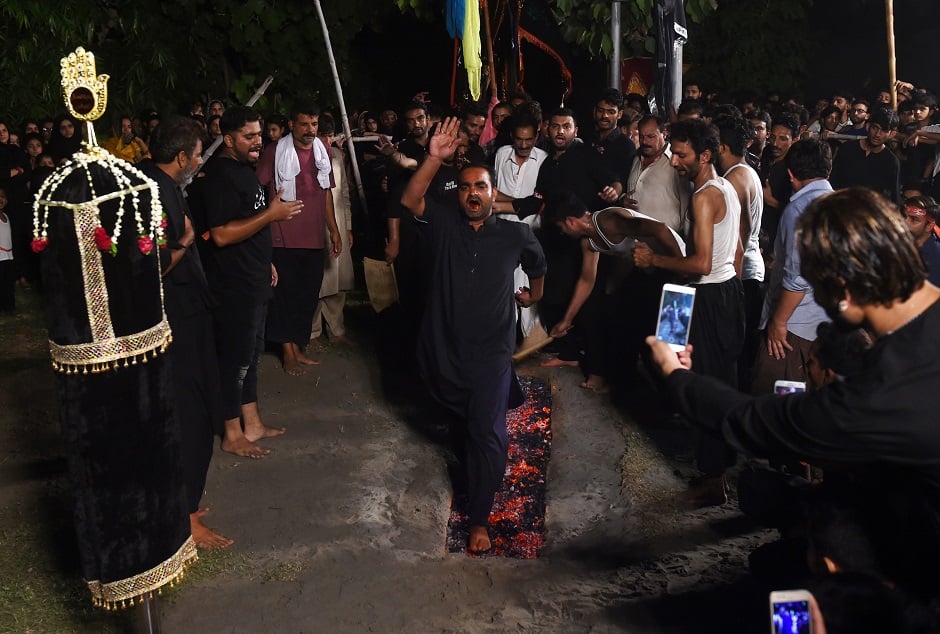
x,y
101,356
128,592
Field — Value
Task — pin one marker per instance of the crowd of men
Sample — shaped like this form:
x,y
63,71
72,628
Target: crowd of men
x,y
500,222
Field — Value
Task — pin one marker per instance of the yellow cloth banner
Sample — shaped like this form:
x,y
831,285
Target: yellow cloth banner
x,y
472,48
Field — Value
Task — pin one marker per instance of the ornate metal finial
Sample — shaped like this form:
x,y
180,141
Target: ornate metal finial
x,y
85,94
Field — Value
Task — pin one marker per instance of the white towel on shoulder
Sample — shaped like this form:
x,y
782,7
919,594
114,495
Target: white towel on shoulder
x,y
287,166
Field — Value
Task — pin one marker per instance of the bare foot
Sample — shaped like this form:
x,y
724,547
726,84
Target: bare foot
x,y
293,367
291,363
255,429
265,432
316,344
241,446
558,363
595,383
204,536
479,541
305,360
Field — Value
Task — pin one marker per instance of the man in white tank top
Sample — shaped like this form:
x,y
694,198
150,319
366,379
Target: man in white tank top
x,y
711,265
733,134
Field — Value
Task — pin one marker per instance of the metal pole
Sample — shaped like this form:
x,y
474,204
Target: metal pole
x,y
615,38
342,108
892,59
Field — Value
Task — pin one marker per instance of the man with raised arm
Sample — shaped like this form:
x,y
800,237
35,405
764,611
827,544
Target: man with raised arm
x,y
467,336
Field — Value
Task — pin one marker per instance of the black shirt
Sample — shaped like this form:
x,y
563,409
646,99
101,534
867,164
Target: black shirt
x,y
877,170
185,289
470,317
618,151
241,271
581,170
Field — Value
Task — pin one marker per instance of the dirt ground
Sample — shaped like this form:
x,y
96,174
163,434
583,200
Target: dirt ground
x,y
342,527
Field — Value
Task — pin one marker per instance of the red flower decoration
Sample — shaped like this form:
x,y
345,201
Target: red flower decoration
x,y
145,244
39,245
163,222
102,239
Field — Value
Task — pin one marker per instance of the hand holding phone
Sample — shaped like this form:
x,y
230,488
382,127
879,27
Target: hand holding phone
x,y
790,612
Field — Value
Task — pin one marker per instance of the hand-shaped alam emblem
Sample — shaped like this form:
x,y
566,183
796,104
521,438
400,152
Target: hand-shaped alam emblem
x,y
86,94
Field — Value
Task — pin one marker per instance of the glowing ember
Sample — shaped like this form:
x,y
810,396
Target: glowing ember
x,y
517,521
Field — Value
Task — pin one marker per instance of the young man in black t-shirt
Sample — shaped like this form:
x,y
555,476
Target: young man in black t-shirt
x,y
238,267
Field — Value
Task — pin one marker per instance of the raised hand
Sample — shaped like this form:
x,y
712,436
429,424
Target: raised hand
x,y
443,144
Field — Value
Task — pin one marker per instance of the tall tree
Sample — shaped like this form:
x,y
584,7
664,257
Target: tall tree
x,y
753,45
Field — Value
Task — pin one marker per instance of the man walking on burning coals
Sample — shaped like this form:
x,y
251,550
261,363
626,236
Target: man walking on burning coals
x,y
237,256
302,166
467,337
176,150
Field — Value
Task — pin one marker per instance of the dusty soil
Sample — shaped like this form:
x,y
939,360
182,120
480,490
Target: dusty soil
x,y
342,527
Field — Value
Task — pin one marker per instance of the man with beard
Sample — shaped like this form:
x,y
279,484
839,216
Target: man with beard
x,y
733,133
176,150
858,115
922,214
237,258
869,162
653,185
784,131
717,330
790,314
474,120
574,166
417,124
414,146
301,166
517,165
760,122
467,335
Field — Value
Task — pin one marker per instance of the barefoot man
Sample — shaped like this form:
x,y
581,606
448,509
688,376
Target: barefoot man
x,y
302,166
176,148
467,336
237,258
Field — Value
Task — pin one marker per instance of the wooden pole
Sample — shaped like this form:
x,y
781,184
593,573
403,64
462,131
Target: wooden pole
x,y
892,60
489,47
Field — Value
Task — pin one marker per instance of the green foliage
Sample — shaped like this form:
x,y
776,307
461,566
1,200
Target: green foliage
x,y
586,23
752,45
166,55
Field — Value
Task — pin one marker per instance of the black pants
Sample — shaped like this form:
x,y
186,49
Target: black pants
x,y
717,335
632,309
239,339
480,405
196,398
299,276
753,305
7,286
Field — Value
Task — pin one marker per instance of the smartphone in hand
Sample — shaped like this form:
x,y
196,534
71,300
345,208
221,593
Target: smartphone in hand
x,y
790,612
675,315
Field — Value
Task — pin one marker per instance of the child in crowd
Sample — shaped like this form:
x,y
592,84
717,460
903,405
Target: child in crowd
x,y
7,270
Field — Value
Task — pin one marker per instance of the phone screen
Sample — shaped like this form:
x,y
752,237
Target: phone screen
x,y
791,617
789,389
675,313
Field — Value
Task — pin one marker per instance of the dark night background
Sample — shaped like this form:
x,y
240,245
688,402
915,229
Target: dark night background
x,y
847,38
